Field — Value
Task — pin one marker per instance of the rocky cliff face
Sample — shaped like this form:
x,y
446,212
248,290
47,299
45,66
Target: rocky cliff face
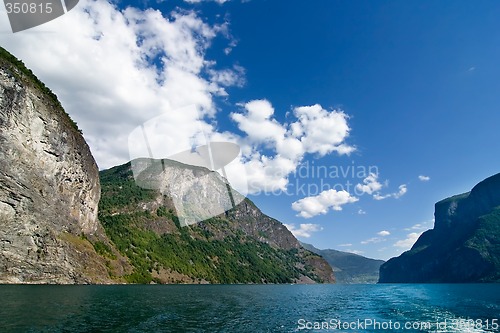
x,y
242,245
464,245
49,186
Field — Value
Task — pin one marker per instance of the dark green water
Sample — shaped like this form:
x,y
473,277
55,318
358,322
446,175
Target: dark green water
x,y
250,308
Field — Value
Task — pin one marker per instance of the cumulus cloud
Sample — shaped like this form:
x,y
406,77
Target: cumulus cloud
x,y
322,131
257,123
408,242
424,178
370,185
402,191
361,212
315,205
304,230
313,130
383,233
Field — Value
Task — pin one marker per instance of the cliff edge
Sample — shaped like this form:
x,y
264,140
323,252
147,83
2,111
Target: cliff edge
x,y
49,186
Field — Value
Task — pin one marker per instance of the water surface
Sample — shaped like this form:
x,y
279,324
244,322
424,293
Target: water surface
x,y
250,308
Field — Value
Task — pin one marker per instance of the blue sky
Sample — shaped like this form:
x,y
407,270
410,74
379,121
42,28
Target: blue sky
x,y
418,83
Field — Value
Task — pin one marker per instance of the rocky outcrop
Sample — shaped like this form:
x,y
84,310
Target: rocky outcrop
x,y
49,186
464,245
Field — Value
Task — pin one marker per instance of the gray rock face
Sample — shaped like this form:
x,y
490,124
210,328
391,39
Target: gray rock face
x,y
196,191
49,184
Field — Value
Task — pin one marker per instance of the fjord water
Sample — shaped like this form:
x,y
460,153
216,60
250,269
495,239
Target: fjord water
x,y
248,308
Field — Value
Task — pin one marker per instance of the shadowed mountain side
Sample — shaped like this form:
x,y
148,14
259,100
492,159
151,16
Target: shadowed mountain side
x,y
464,245
349,267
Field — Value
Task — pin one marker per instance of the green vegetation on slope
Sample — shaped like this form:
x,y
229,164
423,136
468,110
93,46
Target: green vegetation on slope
x,y
154,242
486,241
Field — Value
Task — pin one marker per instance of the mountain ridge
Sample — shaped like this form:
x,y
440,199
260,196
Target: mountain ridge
x,y
349,268
241,232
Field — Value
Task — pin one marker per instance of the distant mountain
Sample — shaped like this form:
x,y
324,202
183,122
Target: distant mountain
x,y
464,245
349,267
240,246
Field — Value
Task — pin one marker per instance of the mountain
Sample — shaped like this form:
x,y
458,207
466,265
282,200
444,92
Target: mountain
x,y
61,221
49,187
464,245
240,246
349,267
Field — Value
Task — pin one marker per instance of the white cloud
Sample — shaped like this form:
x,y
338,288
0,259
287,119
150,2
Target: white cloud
x,y
379,197
257,123
345,245
424,178
402,191
396,195
313,131
370,185
408,242
383,233
311,206
324,131
227,78
361,212
305,230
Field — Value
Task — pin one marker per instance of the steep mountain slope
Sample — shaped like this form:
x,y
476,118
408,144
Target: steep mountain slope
x,y
464,245
241,246
49,186
349,267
